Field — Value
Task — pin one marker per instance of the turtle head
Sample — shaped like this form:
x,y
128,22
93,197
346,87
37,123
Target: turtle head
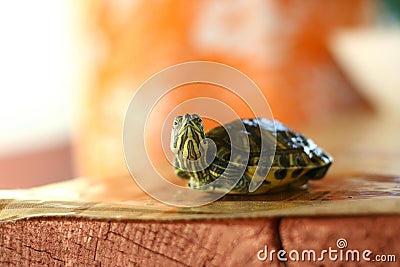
x,y
187,134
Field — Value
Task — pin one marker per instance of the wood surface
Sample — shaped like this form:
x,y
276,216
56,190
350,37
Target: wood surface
x,y
82,242
230,242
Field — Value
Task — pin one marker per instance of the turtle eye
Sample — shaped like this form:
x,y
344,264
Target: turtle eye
x,y
177,120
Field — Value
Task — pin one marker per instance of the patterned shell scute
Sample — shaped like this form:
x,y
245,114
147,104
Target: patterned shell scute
x,y
292,150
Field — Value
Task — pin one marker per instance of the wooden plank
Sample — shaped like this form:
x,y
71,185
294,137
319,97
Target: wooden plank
x,y
122,199
231,242
378,234
82,242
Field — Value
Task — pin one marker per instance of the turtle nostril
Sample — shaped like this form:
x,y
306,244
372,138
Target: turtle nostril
x,y
187,116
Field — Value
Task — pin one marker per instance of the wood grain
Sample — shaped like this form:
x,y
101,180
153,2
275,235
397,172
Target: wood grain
x,y
83,242
233,242
376,233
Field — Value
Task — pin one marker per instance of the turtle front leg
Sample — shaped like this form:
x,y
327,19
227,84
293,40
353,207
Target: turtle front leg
x,y
179,172
222,183
200,179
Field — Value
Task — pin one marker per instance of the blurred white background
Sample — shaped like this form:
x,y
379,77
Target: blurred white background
x,y
40,73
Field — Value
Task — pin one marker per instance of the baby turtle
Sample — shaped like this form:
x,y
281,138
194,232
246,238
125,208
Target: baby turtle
x,y
296,160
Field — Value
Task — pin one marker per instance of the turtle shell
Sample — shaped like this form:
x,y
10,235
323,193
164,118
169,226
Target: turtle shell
x,y
289,158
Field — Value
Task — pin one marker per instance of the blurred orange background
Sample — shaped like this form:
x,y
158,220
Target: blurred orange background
x,y
281,45
71,68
